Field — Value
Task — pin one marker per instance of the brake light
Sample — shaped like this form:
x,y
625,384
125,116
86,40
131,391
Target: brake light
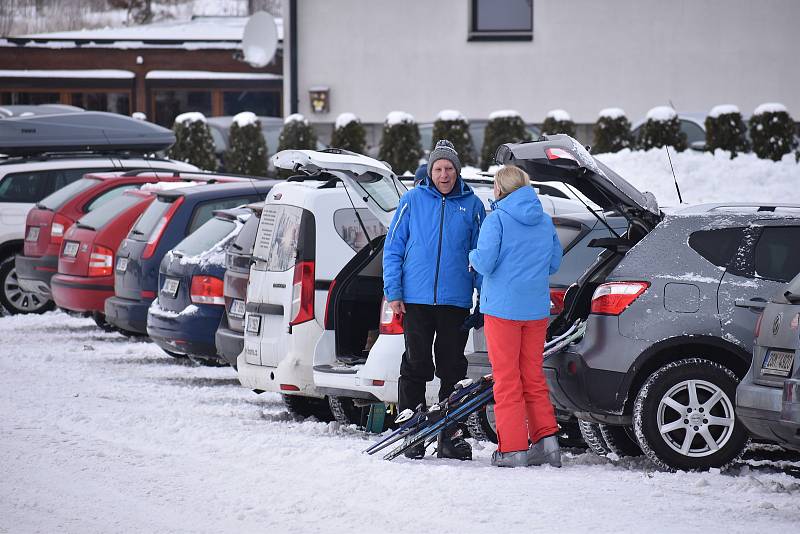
x,y
391,323
207,290
58,227
557,300
289,387
612,298
101,261
558,153
158,231
303,293
758,325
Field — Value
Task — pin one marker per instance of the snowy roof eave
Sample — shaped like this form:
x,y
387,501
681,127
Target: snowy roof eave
x,y
64,73
209,75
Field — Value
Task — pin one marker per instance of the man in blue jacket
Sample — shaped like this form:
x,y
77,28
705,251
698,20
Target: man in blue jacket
x,y
427,280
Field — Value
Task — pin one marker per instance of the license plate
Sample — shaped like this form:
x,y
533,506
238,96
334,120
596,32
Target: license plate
x,y
33,233
122,264
170,287
778,362
253,324
71,249
237,308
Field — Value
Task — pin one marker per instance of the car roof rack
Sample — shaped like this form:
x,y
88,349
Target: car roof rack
x,y
89,131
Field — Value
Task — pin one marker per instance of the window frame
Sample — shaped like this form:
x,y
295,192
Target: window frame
x,y
495,35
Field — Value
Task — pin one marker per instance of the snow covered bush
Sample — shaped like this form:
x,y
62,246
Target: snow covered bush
x,y
349,134
297,134
453,126
247,150
662,128
400,142
558,121
193,142
504,126
726,130
772,131
612,131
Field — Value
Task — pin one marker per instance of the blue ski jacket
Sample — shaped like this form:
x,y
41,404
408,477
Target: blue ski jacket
x,y
425,256
518,249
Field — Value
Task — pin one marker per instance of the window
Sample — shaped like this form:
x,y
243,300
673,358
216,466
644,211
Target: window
x,y
776,256
211,233
501,20
114,102
279,237
110,210
31,187
386,192
61,196
149,220
109,195
243,244
170,104
28,99
717,246
350,230
205,211
262,103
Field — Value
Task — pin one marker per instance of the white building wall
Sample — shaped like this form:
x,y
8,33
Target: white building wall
x,y
413,55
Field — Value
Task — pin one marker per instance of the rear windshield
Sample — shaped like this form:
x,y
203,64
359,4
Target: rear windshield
x,y
60,197
567,234
350,230
107,212
243,244
278,239
213,232
147,222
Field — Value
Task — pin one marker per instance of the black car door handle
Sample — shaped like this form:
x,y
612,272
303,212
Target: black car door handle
x,y
754,304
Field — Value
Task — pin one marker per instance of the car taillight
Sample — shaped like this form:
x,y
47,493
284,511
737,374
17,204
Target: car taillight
x,y
158,231
101,261
391,323
303,293
57,229
207,290
758,325
612,298
557,300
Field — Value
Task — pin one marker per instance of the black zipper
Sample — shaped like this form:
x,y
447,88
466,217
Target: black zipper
x,y
439,253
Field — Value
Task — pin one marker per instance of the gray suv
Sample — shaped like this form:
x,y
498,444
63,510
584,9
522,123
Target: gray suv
x,y
670,308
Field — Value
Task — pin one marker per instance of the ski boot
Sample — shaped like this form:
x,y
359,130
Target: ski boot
x,y
450,443
545,451
417,452
510,459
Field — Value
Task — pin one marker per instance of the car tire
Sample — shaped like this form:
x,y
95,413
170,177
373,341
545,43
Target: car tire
x,y
593,437
308,407
345,412
620,440
481,424
100,320
13,299
684,416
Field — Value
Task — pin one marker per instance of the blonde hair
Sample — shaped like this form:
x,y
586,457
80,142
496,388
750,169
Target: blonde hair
x,y
510,178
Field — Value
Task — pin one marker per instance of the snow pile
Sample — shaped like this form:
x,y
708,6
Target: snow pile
x,y
158,311
558,115
344,119
723,109
705,177
256,56
611,113
398,117
139,116
189,117
770,107
450,115
295,117
245,118
661,114
503,114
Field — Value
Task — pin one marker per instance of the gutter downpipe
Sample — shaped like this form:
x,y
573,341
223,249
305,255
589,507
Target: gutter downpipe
x,y
293,98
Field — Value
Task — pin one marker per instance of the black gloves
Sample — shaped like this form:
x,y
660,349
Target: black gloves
x,y
475,319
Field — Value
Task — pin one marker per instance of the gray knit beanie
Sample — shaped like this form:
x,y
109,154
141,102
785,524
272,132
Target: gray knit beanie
x,y
444,150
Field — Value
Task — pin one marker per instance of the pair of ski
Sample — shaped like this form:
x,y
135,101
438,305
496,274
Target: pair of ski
x,y
469,396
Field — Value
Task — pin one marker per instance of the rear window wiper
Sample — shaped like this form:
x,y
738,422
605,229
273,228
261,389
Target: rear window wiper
x,y
42,207
84,226
137,232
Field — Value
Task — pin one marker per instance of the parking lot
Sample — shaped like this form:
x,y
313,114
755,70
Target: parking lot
x,y
102,434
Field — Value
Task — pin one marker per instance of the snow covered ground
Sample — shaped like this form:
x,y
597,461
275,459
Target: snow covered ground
x,y
103,434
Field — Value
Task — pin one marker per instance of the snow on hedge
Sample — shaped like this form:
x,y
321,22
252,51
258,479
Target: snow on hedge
x,y
190,116
344,119
295,117
558,114
450,115
705,177
139,116
245,118
503,114
723,109
611,113
770,107
661,114
398,117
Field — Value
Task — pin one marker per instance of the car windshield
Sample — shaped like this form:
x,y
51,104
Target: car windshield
x,y
107,212
58,198
213,232
243,244
147,222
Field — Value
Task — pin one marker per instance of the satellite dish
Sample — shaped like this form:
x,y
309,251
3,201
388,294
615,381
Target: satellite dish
x,y
260,39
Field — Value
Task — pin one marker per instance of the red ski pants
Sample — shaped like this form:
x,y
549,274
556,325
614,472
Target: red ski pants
x,y
522,401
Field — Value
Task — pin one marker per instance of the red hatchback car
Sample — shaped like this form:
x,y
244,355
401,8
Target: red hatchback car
x,y
51,217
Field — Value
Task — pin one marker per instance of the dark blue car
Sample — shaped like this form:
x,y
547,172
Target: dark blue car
x,y
170,218
190,302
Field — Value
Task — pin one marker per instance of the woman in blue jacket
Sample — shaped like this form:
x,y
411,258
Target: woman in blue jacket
x,y
517,251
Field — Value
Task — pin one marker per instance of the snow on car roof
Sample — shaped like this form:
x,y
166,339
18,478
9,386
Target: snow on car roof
x,y
167,186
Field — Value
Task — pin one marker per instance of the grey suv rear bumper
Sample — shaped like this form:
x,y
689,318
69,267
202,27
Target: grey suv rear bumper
x,y
759,409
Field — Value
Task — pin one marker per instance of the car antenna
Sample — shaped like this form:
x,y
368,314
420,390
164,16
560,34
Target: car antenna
x,y
674,178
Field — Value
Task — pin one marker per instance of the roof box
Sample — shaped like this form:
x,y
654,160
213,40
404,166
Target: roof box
x,y
92,131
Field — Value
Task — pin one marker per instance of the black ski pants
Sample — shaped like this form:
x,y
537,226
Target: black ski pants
x,y
431,330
